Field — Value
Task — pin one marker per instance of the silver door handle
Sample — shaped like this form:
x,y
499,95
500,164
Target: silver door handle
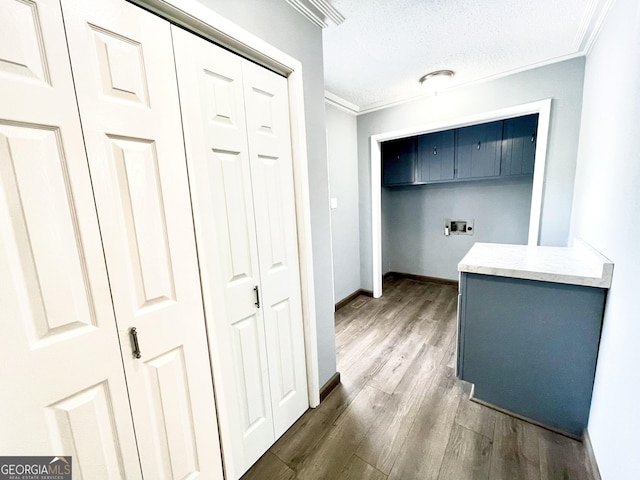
x,y
136,346
257,290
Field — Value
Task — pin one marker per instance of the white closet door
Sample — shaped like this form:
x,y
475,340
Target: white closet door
x,y
269,135
63,387
122,61
210,81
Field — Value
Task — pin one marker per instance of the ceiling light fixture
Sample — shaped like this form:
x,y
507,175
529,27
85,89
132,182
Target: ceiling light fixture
x,y
436,80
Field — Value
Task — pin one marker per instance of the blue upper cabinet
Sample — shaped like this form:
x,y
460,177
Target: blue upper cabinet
x,y
399,162
519,145
436,157
478,150
497,149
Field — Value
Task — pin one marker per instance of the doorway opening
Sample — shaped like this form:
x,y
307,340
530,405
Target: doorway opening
x,y
542,108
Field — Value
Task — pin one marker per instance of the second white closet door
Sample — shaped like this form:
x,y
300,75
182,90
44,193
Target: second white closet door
x,y
269,136
242,193
210,83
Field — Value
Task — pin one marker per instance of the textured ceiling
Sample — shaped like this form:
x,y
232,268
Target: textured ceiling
x,y
377,55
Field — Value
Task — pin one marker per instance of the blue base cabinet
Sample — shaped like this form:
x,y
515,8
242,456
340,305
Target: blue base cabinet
x,y
530,347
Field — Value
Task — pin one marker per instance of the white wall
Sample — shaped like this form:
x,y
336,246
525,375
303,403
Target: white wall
x,y
302,40
560,81
606,214
342,151
414,222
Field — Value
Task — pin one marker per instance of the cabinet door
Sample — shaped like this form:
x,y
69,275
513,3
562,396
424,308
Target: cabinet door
x,y
122,61
399,162
530,347
63,387
212,102
435,157
478,150
519,145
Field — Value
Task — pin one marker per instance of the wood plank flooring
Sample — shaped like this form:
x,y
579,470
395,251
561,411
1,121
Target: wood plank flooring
x,y
401,414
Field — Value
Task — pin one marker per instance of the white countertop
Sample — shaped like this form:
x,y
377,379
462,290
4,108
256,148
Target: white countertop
x,y
577,265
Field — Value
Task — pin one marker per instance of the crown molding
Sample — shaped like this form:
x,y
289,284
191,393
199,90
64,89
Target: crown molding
x,y
588,31
590,25
340,103
372,107
317,11
328,10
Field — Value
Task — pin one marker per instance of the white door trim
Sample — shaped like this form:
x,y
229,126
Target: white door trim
x,y
542,107
200,19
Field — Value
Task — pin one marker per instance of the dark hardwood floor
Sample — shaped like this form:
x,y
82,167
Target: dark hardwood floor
x,y
401,414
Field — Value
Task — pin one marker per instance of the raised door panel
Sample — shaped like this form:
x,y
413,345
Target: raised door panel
x,y
399,162
519,145
122,62
435,157
64,389
80,421
269,137
478,149
211,94
22,51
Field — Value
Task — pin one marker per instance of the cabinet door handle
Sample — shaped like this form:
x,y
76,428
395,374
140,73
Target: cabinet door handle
x,y
478,145
533,137
257,290
435,150
136,345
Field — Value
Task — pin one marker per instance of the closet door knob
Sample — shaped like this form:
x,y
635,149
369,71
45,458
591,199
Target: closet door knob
x,y
478,145
533,137
257,290
435,150
136,346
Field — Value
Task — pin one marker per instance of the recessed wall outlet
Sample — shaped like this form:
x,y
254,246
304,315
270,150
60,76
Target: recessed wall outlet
x,y
458,227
